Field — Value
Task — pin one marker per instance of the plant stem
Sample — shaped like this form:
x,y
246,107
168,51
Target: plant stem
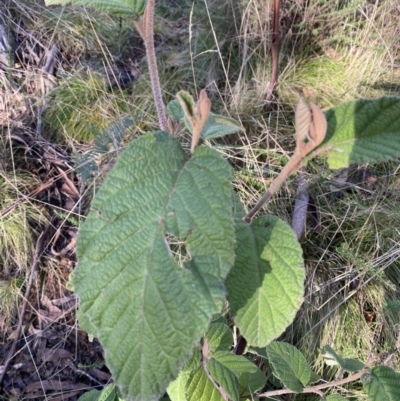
x,y
146,31
290,168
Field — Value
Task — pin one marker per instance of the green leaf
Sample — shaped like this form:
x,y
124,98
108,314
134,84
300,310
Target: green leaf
x,y
332,358
135,292
200,388
219,337
177,388
289,365
360,131
265,286
92,395
382,383
216,126
314,378
335,397
249,383
237,364
118,7
224,378
109,393
174,109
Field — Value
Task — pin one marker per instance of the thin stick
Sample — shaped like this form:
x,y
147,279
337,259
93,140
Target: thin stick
x,y
274,52
146,31
36,258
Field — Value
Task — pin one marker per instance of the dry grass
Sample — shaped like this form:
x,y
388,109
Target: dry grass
x,y
330,52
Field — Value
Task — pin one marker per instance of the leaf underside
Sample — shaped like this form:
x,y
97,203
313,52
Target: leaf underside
x,y
266,285
360,131
147,307
118,7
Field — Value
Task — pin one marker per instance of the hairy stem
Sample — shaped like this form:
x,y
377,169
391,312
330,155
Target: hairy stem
x,y
146,31
290,168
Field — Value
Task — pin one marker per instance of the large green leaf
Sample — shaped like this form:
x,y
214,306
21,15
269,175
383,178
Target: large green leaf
x,y
289,365
153,255
360,131
266,285
382,383
118,7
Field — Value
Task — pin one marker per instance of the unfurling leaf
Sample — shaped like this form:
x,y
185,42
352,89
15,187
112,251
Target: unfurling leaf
x,y
203,108
318,125
216,126
302,121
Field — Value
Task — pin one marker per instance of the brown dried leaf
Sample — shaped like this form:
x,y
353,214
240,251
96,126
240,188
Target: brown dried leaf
x,y
54,355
